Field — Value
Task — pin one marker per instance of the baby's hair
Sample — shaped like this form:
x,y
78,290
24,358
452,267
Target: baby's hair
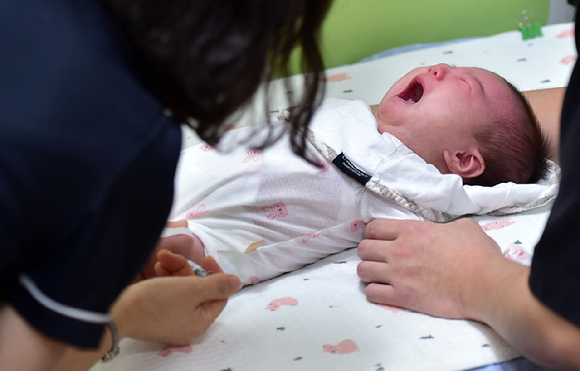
x,y
513,150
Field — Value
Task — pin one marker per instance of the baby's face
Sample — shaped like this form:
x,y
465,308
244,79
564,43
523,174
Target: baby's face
x,y
431,108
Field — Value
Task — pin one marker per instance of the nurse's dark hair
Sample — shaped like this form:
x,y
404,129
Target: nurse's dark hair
x,y
514,149
205,59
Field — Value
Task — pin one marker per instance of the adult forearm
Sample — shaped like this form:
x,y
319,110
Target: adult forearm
x,y
81,360
24,348
511,309
547,105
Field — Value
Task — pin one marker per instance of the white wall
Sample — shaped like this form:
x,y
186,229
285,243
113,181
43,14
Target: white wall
x,y
560,12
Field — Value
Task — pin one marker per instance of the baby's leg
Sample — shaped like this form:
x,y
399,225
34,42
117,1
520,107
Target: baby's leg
x,y
182,241
177,239
197,251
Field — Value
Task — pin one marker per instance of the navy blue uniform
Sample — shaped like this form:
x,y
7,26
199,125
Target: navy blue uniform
x,y
87,161
555,277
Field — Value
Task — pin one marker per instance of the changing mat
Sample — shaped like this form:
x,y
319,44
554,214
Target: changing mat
x,y
317,318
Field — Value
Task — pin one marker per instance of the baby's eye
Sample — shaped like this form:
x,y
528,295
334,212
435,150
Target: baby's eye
x,y
465,81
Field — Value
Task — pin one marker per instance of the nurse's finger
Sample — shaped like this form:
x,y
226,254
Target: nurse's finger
x,y
380,293
374,250
369,271
383,229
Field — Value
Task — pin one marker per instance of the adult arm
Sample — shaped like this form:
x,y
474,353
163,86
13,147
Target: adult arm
x,y
175,309
455,270
24,348
547,105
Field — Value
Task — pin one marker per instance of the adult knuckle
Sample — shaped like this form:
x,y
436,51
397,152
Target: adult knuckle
x,y
411,228
373,228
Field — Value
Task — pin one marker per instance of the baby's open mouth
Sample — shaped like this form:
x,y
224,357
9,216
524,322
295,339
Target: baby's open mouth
x,y
413,92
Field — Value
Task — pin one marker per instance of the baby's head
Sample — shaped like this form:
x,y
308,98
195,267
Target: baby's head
x,y
466,121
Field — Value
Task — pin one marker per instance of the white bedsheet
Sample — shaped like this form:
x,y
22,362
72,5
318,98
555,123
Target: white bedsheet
x,y
317,318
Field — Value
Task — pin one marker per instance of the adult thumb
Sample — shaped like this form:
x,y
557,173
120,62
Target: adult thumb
x,y
219,286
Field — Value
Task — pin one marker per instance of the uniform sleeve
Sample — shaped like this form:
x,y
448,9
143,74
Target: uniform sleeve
x,y
66,288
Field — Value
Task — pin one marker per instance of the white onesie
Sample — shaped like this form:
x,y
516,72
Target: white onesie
x,y
263,213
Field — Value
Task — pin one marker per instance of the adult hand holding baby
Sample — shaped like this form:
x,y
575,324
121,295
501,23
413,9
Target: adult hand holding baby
x,y
177,306
403,269
455,270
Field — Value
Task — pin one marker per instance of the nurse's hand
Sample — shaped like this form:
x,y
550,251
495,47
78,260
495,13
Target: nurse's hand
x,y
440,269
177,307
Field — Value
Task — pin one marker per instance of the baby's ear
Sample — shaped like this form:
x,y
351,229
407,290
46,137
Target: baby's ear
x,y
467,164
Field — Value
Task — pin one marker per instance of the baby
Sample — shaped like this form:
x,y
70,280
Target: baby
x,y
417,155
469,122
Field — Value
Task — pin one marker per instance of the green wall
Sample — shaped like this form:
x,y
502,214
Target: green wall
x,y
356,29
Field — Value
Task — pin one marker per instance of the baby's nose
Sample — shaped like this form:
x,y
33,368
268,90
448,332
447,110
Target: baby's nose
x,y
439,71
